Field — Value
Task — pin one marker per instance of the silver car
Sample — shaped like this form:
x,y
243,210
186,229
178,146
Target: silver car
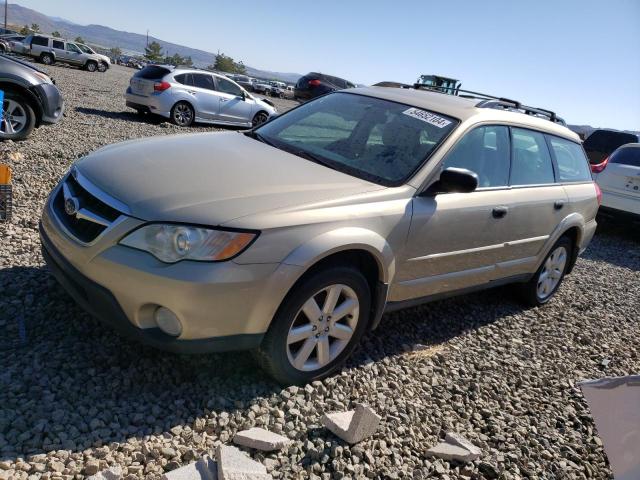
x,y
186,96
294,238
50,50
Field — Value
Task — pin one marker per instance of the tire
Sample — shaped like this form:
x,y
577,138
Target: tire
x,y
546,281
259,118
91,66
18,118
182,114
102,67
46,58
298,350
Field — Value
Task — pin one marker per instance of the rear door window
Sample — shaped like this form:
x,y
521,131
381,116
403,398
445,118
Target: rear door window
x,y
202,80
484,151
530,161
573,165
629,155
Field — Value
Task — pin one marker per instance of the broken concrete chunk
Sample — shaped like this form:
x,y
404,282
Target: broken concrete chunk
x,y
352,426
455,447
261,439
112,473
460,441
235,465
203,469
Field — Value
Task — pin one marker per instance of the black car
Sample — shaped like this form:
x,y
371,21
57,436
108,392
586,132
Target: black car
x,y
31,99
314,84
602,143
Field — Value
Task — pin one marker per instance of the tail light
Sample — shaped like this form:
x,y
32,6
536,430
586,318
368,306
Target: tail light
x,y
598,167
598,193
161,86
314,83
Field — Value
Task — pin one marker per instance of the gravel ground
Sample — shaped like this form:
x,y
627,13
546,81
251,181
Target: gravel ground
x,y
75,397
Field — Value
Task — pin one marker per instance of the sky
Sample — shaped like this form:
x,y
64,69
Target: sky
x,y
580,58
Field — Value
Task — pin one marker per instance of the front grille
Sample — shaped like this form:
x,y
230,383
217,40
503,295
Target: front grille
x,y
83,229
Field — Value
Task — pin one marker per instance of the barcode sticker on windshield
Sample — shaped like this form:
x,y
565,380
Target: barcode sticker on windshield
x,y
428,117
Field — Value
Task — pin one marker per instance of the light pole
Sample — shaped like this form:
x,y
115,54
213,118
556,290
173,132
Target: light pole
x,y
6,3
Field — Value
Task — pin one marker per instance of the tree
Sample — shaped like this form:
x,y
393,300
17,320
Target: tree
x,y
79,39
56,34
227,64
153,52
115,51
35,28
25,30
188,62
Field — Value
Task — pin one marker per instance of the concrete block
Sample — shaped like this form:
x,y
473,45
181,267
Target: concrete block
x,y
235,465
455,447
261,439
352,426
204,469
111,473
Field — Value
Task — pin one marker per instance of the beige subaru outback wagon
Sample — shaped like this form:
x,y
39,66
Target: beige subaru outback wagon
x,y
294,238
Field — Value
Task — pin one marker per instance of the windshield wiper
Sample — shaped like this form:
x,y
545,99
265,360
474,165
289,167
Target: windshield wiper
x,y
260,138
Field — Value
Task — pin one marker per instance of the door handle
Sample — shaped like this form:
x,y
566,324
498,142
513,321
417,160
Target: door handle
x,y
558,204
499,212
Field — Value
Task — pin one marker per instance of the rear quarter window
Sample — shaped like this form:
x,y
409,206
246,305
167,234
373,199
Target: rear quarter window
x,y
573,165
42,41
628,155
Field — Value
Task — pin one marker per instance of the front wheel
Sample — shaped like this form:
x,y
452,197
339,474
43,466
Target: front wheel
x,y
546,281
182,114
18,118
91,66
102,67
317,326
259,119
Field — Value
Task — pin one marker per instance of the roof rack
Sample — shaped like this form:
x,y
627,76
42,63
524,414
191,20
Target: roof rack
x,y
501,103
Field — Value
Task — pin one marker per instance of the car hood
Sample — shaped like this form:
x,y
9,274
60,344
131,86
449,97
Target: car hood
x,y
210,178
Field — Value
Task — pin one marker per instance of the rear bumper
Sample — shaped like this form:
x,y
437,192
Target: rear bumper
x,y
621,214
102,304
51,101
620,202
152,104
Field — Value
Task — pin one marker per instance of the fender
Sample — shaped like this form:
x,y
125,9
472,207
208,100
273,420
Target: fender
x,y
342,239
570,221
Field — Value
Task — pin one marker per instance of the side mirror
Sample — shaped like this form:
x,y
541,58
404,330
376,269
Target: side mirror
x,y
454,180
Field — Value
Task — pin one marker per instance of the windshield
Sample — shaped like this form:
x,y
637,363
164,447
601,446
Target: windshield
x,y
378,140
85,49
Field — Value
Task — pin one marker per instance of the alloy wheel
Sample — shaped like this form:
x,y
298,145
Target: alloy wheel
x,y
183,115
14,117
259,119
318,335
551,273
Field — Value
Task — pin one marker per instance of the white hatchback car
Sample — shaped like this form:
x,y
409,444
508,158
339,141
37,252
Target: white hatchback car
x,y
185,96
619,180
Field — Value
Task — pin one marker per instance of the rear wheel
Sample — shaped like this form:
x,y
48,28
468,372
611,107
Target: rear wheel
x,y
182,114
18,118
317,326
259,118
46,58
544,284
91,66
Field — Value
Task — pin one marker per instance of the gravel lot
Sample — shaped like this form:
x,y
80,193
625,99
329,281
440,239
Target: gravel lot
x,y
75,397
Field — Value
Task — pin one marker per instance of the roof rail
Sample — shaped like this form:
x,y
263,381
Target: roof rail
x,y
501,103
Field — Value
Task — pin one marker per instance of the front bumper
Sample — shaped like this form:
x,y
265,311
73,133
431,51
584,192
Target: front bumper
x,y
222,306
51,101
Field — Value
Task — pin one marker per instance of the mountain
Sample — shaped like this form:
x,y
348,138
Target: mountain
x,y
131,43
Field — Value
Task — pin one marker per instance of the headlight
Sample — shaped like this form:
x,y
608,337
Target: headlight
x,y
172,243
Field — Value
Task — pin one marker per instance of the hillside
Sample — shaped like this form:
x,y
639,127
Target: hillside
x,y
129,42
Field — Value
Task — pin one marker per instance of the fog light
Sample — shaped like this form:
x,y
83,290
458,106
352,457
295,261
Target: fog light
x,y
168,321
